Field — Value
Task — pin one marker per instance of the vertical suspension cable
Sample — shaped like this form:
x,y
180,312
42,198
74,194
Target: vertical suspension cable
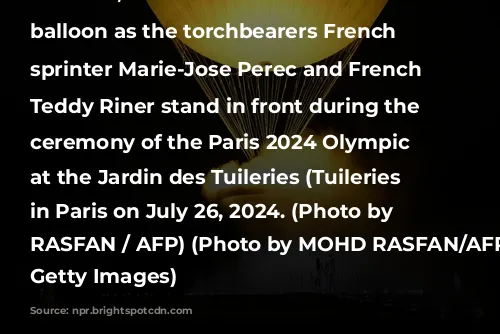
x,y
246,88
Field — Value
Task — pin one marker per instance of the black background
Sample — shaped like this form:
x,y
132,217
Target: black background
x,y
449,171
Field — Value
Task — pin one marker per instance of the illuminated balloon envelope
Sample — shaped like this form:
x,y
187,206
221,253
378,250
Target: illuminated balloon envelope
x,y
284,51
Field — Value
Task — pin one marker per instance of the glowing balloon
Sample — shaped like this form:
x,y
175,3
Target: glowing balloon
x,y
267,13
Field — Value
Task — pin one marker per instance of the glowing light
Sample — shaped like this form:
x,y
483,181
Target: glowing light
x,y
298,14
